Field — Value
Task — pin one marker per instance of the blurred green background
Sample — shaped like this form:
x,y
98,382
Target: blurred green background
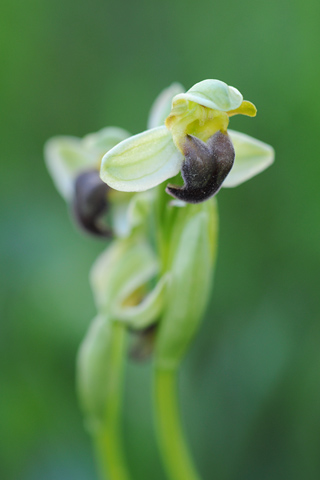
x,y
250,386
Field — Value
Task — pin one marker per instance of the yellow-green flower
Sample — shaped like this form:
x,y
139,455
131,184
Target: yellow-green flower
x,y
67,157
74,165
195,141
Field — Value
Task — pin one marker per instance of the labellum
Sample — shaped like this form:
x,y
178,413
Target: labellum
x,y
90,203
205,167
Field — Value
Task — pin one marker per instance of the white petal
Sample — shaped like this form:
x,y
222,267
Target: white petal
x,y
213,94
142,161
162,105
65,158
252,157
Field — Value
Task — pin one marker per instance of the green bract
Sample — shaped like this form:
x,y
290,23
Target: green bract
x,y
191,265
94,367
149,158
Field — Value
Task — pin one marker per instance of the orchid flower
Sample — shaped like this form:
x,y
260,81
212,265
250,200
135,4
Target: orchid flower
x,y
67,157
195,141
74,165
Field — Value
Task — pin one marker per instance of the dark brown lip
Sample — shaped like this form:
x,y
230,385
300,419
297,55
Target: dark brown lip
x,y
90,203
205,168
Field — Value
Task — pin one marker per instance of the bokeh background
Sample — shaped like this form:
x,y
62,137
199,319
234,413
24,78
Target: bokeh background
x,y
250,386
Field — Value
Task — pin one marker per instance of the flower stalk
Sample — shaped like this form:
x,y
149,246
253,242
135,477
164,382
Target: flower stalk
x,y
108,438
173,446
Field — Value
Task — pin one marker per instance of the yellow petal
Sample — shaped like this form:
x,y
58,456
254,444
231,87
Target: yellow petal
x,y
246,108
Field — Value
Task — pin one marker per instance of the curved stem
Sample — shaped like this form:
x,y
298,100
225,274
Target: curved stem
x,y
172,443
108,443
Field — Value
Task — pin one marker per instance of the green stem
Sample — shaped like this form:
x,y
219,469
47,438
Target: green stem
x,y
172,443
108,443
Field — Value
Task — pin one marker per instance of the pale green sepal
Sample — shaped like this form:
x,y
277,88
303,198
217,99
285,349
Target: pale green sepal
x,y
162,105
213,94
99,369
65,158
252,157
148,311
124,267
190,284
105,139
142,161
